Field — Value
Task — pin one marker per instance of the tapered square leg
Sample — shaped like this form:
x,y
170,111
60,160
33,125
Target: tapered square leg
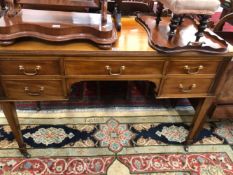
x,y
10,113
159,12
199,118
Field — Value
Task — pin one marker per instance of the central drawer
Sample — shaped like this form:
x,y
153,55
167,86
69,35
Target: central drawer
x,y
33,89
119,67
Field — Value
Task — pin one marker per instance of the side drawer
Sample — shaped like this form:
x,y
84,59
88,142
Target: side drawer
x,y
29,67
120,67
186,87
192,67
33,89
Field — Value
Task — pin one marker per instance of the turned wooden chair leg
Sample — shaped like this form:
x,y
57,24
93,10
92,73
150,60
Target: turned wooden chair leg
x,y
98,90
38,105
104,7
147,89
202,26
181,19
159,12
3,5
128,90
175,20
174,102
117,14
83,86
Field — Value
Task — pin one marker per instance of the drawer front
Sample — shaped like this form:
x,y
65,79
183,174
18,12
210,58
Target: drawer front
x,y
29,67
132,67
33,89
186,86
192,67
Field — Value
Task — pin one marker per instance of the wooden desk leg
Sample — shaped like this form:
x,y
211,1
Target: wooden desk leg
x,y
199,119
10,113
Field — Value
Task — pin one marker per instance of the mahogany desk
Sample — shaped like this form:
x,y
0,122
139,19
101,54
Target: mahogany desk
x,y
36,71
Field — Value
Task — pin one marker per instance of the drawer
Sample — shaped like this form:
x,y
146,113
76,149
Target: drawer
x,y
131,67
33,89
186,87
192,67
29,67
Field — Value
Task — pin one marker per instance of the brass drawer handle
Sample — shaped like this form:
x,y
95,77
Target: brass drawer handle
x,y
109,69
193,70
34,71
27,91
186,90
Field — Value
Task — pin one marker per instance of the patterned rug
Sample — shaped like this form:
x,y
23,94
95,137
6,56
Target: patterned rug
x,y
143,138
116,147
153,164
114,135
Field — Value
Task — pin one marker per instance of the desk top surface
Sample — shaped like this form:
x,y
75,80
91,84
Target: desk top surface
x,y
132,40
